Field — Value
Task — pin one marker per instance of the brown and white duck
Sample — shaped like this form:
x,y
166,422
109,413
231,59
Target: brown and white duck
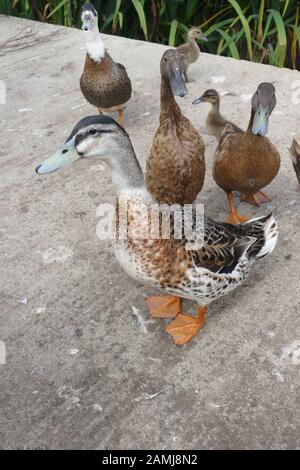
x,y
215,122
206,262
104,83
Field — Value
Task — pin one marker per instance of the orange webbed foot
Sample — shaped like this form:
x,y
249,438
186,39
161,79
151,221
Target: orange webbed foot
x,y
164,306
256,199
234,218
185,327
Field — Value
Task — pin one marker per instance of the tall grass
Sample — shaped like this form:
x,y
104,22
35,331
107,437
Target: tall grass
x,y
260,30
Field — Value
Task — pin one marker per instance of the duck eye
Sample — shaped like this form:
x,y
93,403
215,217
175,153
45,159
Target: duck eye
x,y
92,132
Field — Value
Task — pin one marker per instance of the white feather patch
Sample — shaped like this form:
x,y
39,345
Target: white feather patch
x,y
96,49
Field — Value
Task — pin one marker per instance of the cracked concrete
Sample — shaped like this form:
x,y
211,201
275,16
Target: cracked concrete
x,y
79,372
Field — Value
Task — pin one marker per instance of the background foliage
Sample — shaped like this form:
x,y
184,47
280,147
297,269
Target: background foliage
x,y
262,31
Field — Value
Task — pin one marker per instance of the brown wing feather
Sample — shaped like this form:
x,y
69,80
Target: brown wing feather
x,y
176,166
105,84
222,246
244,162
167,260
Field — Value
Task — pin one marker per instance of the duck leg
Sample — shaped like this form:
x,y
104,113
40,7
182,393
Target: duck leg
x,y
234,217
164,306
185,327
256,199
100,111
120,117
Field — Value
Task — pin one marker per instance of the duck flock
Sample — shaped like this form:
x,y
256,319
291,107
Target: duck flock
x,y
205,259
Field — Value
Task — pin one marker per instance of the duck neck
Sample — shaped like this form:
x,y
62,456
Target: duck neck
x,y
249,129
191,41
94,44
215,108
193,45
168,107
126,171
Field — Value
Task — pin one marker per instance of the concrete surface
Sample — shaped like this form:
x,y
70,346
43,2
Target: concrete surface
x,y
79,371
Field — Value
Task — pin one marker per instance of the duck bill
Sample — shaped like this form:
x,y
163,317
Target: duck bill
x,y
177,83
203,37
198,100
59,159
261,121
85,25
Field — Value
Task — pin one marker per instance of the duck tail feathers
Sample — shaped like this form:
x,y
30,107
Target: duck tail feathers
x,y
295,155
265,230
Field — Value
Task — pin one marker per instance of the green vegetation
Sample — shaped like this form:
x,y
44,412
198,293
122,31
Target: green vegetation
x,y
262,31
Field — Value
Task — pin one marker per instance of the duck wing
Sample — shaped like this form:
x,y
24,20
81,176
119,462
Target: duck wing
x,y
220,246
224,245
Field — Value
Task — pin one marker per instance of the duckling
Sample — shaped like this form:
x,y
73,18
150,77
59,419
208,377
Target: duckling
x,y
104,83
193,266
190,51
248,161
175,168
295,154
215,122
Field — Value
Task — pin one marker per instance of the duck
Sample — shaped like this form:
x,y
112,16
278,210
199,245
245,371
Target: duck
x,y
202,262
247,162
295,155
215,122
175,168
104,83
190,50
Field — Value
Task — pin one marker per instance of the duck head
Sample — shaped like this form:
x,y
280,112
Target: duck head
x,y
93,136
172,69
89,17
209,96
103,138
263,102
196,33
